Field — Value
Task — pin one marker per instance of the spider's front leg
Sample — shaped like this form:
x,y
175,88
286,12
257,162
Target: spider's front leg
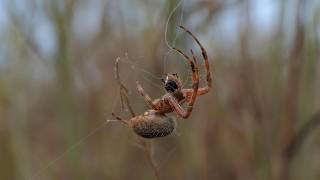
x,y
195,84
202,90
146,97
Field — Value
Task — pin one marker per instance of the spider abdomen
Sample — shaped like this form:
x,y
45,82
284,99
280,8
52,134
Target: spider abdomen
x,y
152,124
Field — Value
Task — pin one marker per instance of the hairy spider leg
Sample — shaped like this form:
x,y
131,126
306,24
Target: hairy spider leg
x,y
123,95
124,121
202,90
146,97
195,85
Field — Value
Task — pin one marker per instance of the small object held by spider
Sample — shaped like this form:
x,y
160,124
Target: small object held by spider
x,y
154,122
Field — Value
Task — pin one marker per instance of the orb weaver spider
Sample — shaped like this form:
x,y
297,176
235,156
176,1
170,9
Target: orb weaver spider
x,y
154,122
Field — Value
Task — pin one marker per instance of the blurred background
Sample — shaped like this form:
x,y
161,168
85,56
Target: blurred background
x,y
57,89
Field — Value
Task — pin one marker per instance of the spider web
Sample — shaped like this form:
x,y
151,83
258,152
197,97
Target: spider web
x,y
138,70
171,50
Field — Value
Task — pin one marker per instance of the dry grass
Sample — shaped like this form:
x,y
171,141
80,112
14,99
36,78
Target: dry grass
x,y
259,122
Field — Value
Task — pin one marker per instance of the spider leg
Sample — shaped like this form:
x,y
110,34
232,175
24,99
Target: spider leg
x,y
120,119
202,90
146,97
123,90
195,84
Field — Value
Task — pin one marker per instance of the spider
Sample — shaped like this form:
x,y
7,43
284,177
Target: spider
x,y
154,122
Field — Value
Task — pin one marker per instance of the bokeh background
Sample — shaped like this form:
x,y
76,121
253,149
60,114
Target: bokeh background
x,y
57,89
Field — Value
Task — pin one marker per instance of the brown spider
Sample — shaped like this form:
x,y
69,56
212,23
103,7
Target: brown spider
x,y
154,122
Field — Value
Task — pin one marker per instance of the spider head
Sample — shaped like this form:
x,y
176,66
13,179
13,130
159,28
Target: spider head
x,y
172,83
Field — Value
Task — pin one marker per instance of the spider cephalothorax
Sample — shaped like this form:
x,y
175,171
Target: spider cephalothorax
x,y
172,83
154,122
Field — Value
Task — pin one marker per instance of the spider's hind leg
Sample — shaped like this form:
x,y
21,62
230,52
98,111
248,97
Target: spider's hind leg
x,y
118,118
123,90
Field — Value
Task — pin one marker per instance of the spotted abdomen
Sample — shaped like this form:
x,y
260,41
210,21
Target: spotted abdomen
x,y
152,124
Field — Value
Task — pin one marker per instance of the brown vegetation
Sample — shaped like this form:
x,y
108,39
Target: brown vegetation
x,y
57,89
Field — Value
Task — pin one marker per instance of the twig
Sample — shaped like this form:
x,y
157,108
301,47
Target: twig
x,y
296,143
301,136
147,147
294,73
